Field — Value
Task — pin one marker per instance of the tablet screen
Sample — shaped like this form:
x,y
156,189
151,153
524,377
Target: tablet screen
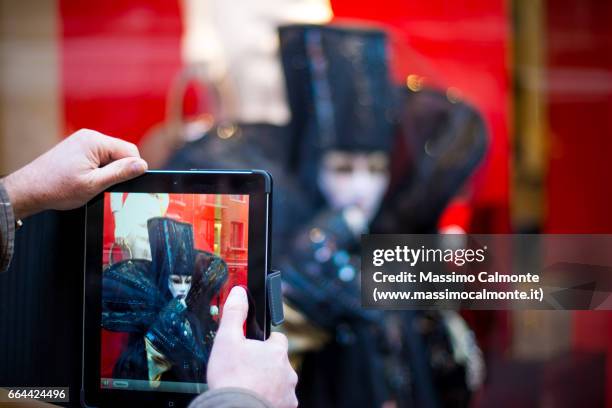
x,y
169,261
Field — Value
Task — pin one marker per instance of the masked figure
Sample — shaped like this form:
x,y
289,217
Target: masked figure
x,y
165,305
334,168
345,115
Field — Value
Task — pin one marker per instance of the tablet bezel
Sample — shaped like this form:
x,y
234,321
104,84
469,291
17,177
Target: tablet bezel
x,y
256,183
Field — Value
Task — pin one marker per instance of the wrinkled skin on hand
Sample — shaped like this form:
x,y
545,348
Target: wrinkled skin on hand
x,y
72,172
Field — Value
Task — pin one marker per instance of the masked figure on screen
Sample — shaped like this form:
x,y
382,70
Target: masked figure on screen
x,y
131,218
165,305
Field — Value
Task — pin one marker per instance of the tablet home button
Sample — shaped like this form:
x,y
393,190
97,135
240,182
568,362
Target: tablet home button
x,y
170,403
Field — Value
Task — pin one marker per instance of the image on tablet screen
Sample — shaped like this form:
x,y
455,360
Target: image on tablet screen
x,y
169,261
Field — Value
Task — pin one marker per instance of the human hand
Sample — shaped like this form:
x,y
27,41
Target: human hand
x,y
261,367
72,172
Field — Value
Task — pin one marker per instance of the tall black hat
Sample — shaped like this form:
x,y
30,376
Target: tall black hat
x,y
338,89
172,248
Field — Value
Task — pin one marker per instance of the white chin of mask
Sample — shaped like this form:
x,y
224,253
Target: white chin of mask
x,y
362,189
179,290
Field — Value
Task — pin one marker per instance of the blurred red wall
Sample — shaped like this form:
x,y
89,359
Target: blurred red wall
x,y
117,61
579,105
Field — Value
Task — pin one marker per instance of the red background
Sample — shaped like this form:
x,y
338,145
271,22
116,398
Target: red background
x,y
579,106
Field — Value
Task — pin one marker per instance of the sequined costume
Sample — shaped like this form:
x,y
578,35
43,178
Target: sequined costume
x,y
170,338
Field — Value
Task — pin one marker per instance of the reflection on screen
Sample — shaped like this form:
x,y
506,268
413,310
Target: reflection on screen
x,y
169,261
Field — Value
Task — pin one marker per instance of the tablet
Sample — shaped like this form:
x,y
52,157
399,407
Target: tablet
x,y
162,252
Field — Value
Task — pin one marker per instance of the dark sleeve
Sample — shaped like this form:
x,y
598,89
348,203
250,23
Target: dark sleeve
x,y
229,398
7,230
321,272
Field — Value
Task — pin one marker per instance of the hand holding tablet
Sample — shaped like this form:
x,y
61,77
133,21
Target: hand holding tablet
x,y
148,299
247,359
73,171
154,294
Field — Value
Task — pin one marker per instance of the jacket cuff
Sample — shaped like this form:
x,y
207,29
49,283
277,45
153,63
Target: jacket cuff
x,y
7,229
229,398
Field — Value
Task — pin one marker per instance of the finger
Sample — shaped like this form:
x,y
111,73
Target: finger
x,y
118,171
279,339
293,401
293,377
112,148
235,312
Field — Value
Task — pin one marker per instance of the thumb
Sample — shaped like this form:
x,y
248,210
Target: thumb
x,y
235,312
118,171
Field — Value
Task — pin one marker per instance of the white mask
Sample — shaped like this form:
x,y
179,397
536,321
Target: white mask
x,y
179,285
354,179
